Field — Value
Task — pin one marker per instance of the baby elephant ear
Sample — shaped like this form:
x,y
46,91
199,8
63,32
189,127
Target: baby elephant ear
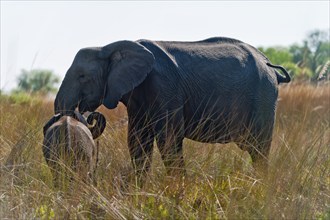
x,y
97,124
54,119
129,65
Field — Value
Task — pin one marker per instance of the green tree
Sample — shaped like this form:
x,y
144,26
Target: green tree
x,y
43,81
277,55
314,55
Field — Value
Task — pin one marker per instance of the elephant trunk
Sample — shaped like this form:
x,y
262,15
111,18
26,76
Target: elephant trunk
x,y
67,98
97,122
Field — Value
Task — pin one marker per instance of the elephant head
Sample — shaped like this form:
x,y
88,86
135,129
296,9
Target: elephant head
x,y
102,76
95,121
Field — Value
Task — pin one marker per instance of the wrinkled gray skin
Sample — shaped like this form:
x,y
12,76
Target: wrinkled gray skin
x,y
69,140
217,90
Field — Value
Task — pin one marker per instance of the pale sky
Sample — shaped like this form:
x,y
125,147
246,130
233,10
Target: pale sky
x,y
48,34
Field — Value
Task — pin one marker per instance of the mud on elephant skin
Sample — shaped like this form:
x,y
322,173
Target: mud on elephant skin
x,y
216,90
68,143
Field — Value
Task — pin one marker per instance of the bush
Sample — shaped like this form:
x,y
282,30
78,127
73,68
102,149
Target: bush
x,y
22,98
37,81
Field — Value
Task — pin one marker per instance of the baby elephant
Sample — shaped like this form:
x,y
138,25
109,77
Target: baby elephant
x,y
69,146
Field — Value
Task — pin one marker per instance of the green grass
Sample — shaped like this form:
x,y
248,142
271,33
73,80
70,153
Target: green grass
x,y
220,183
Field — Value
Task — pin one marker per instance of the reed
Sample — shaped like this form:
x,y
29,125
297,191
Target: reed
x,y
220,182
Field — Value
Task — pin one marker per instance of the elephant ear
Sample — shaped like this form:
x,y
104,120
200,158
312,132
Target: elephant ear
x,y
51,121
129,65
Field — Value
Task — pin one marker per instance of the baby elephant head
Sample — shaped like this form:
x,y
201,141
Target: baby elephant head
x,y
95,121
68,143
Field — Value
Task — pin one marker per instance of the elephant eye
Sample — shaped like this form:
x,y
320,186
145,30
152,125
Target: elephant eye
x,y
83,78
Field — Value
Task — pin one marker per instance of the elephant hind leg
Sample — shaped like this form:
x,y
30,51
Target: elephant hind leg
x,y
257,141
258,148
259,151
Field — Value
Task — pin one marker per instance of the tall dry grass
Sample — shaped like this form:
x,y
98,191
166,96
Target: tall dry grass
x,y
220,183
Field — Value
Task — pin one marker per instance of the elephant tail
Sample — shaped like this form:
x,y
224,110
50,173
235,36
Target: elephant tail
x,y
280,77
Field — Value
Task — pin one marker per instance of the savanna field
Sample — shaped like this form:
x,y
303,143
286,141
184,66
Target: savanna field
x,y
221,182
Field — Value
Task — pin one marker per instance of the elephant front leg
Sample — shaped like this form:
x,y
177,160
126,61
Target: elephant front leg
x,y
140,144
169,141
172,154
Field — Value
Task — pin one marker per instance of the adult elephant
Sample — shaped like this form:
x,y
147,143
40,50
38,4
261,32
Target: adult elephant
x,y
218,90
